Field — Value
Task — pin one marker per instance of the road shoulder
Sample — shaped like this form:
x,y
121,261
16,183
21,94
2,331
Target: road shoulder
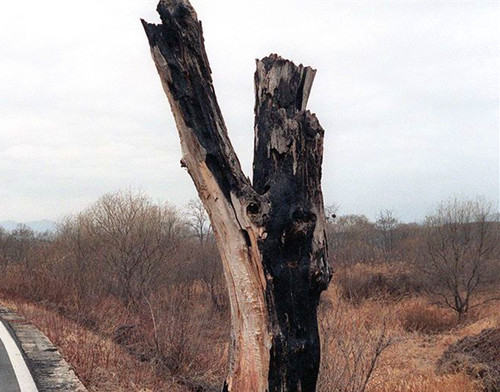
x,y
49,369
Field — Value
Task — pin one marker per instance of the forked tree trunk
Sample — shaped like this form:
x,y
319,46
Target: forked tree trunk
x,y
271,235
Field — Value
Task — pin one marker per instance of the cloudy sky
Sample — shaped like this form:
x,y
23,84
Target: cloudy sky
x,y
408,93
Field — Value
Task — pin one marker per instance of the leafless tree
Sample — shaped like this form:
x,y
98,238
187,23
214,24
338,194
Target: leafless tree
x,y
20,242
211,273
4,245
78,264
131,235
352,239
199,221
460,257
387,225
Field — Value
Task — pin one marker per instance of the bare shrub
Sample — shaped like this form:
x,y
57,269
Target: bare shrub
x,y
206,255
198,221
130,235
17,245
352,239
388,233
351,348
461,253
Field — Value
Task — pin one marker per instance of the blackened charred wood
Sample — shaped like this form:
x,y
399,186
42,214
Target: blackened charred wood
x,y
287,168
270,234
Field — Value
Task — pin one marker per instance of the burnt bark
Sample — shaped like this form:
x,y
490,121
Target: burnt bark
x,y
270,233
287,167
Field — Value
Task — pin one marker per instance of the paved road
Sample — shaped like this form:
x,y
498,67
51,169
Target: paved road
x,y
14,373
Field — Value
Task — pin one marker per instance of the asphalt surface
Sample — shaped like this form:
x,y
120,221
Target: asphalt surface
x,y
14,373
8,379
30,355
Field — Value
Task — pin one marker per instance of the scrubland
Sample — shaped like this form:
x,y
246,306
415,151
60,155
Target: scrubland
x,y
133,295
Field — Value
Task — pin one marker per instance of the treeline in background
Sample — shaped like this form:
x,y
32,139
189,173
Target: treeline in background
x,y
133,292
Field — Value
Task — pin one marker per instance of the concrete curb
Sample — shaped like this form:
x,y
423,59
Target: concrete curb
x,y
49,369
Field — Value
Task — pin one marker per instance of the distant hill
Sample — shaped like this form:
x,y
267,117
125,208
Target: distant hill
x,y
39,226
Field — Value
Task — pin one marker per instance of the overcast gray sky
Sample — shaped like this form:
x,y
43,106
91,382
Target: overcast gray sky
x,y
408,93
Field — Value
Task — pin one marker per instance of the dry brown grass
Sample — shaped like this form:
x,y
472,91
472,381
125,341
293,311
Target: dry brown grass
x,y
101,365
450,383
115,348
418,315
420,330
177,343
353,342
189,350
361,282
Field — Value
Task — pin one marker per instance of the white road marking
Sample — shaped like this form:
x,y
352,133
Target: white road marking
x,y
24,378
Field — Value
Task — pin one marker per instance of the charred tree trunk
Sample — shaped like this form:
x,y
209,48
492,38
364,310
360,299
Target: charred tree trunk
x,y
270,234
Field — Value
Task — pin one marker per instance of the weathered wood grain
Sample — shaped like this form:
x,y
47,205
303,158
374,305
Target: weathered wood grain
x,y
287,167
270,234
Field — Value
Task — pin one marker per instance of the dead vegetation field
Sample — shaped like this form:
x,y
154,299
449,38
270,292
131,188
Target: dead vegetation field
x,y
113,350
382,328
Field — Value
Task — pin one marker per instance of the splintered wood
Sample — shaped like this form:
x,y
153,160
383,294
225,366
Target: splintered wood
x,y
270,233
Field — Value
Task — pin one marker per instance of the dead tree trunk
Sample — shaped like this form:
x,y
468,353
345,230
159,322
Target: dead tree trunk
x,y
271,235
